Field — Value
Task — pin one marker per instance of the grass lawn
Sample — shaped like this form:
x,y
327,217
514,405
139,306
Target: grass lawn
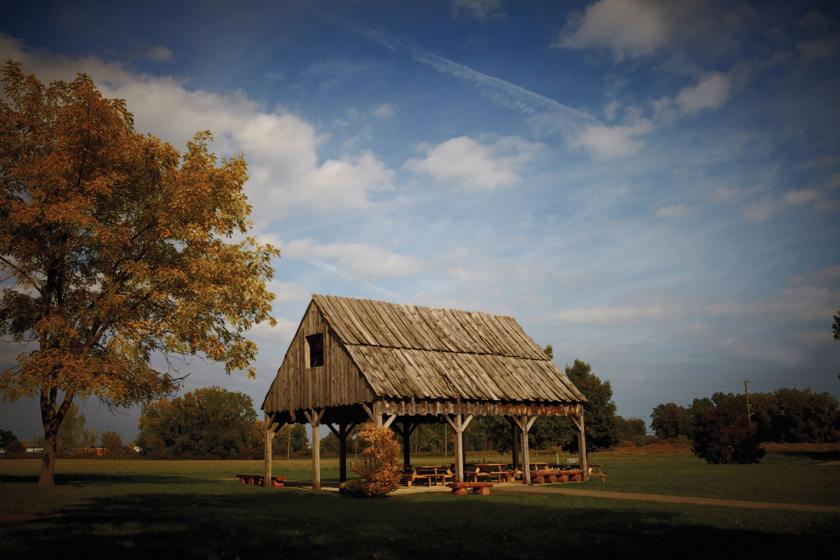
x,y
192,509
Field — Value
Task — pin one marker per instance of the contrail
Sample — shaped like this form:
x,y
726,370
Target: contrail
x,y
544,112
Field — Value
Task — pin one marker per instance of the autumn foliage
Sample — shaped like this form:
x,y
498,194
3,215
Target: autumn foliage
x,y
114,248
379,463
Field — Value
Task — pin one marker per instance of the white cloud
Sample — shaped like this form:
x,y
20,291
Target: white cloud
x,y
725,194
616,314
481,10
385,110
743,349
288,291
709,93
828,277
803,196
819,48
766,208
468,164
613,141
611,110
628,28
674,211
797,303
279,335
545,113
761,210
160,53
281,148
360,260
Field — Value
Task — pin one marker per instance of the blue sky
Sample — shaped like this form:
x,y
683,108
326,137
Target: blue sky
x,y
652,187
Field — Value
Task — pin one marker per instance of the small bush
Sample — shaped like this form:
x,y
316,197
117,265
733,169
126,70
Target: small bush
x,y
723,434
379,463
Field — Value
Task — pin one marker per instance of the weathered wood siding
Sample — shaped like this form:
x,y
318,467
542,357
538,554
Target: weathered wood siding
x,y
338,382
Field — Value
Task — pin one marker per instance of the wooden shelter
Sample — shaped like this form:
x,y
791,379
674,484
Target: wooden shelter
x,y
352,360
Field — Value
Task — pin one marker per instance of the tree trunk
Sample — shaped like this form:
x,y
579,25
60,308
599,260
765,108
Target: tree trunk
x,y
51,419
47,476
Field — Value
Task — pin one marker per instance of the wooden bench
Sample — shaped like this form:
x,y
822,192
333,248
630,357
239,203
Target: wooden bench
x,y
480,488
277,481
551,476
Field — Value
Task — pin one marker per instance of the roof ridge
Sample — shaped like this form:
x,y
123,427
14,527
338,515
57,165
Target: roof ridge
x,y
382,301
519,357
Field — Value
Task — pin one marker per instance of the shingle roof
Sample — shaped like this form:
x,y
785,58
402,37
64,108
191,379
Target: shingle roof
x,y
409,351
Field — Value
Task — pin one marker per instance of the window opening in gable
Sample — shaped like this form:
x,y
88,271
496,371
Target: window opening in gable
x,y
315,350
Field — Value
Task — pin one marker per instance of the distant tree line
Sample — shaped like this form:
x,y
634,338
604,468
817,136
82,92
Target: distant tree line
x,y
725,429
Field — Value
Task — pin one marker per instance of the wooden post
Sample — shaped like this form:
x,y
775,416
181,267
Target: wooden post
x,y
526,454
406,434
584,463
459,449
342,452
314,418
269,436
514,444
459,424
524,424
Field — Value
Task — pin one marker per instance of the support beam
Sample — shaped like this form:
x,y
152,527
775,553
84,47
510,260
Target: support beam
x,y
524,424
369,411
584,461
526,452
388,420
314,416
459,448
269,438
456,421
341,432
407,429
514,438
345,430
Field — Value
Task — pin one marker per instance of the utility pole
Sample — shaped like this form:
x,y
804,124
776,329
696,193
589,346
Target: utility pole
x,y
749,408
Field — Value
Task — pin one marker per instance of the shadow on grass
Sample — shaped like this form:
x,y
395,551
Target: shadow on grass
x,y
81,478
830,455
259,524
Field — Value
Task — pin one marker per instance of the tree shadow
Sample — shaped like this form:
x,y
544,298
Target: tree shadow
x,y
829,455
85,479
256,523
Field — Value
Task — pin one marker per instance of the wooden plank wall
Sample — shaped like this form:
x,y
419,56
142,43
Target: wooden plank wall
x,y
337,382
426,407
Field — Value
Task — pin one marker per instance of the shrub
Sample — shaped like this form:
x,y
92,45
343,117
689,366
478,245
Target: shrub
x,y
722,433
379,463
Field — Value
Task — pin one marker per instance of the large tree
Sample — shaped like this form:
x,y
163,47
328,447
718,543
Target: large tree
x,y
210,422
722,431
600,417
115,248
670,421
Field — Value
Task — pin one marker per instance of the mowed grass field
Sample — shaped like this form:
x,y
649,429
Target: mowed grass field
x,y
196,509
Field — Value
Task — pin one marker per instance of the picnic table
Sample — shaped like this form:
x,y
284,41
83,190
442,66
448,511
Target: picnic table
x,y
430,474
487,471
